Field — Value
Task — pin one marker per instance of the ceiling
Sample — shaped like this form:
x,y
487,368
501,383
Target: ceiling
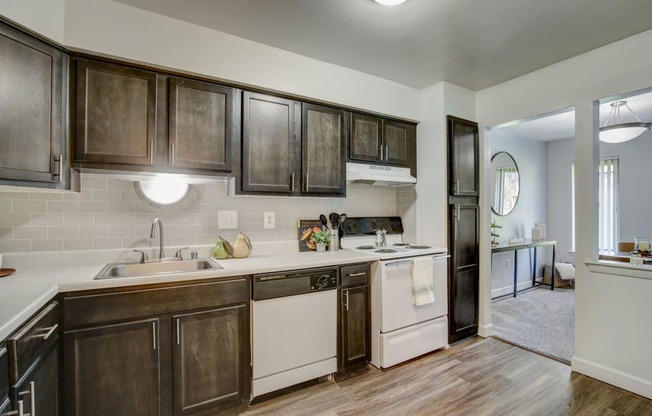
x,y
471,43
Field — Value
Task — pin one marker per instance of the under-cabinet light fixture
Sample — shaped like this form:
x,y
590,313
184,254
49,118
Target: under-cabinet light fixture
x,y
618,132
389,2
161,192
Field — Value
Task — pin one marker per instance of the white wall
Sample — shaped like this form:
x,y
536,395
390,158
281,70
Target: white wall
x,y
612,311
437,101
561,154
114,29
45,17
531,157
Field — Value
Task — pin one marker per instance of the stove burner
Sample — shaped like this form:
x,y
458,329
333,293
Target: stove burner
x,y
386,250
365,248
401,244
419,247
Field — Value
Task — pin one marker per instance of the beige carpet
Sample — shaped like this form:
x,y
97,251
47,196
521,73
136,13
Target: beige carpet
x,y
540,320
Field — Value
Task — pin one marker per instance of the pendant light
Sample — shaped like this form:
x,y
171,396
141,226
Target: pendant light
x,y
389,2
618,132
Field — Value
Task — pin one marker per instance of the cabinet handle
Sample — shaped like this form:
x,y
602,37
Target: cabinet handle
x,y
172,154
381,152
32,398
178,332
292,182
386,153
305,185
18,412
457,186
357,274
457,212
151,152
154,333
346,302
50,331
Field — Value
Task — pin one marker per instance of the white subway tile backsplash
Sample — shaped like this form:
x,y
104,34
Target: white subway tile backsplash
x,y
48,244
47,219
30,206
107,213
21,233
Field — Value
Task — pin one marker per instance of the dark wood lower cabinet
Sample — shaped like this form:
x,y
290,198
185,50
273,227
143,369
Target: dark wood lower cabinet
x,y
463,296
113,369
355,326
209,355
43,383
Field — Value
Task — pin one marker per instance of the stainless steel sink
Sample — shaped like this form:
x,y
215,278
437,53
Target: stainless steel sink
x,y
162,268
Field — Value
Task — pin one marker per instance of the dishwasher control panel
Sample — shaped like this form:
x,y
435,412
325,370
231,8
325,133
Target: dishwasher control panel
x,y
323,282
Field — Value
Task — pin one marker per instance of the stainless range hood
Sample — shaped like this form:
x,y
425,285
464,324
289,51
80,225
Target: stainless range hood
x,y
378,174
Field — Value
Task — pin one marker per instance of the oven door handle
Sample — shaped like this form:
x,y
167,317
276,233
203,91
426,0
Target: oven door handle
x,y
391,263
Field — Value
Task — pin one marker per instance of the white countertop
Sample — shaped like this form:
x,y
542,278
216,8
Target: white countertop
x,y
23,293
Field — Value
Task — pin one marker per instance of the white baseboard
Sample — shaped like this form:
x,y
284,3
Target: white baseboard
x,y
508,289
612,376
486,331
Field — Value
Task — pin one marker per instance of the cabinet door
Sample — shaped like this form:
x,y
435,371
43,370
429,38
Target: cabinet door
x,y
269,144
323,143
400,142
201,122
40,387
464,275
366,138
113,370
463,157
355,326
209,359
4,375
116,114
31,109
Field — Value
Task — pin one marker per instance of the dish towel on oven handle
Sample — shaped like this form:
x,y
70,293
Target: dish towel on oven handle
x,y
423,291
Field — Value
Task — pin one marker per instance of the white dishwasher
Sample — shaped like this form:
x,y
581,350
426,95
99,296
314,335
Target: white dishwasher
x,y
294,328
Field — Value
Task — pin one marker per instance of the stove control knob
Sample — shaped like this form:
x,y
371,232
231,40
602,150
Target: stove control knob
x,y
323,281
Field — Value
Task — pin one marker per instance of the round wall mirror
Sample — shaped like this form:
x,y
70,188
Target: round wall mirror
x,y
506,184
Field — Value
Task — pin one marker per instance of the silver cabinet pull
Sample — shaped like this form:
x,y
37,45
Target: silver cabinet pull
x,y
346,302
19,412
151,152
178,332
172,154
154,333
459,213
381,152
386,153
32,399
357,274
50,331
398,262
457,186
292,182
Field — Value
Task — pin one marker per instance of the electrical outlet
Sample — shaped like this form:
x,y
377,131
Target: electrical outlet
x,y
508,264
227,220
269,219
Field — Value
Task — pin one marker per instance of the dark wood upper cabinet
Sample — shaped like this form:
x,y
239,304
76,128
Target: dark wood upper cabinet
x,y
366,138
33,101
201,123
323,144
116,114
209,355
383,141
463,157
270,129
113,369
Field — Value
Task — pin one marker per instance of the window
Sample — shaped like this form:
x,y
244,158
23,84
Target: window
x,y
507,184
608,209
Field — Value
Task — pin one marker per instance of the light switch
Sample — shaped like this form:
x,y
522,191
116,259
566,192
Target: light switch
x,y
227,220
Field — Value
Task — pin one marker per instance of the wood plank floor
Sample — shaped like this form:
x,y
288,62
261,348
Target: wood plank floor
x,y
476,377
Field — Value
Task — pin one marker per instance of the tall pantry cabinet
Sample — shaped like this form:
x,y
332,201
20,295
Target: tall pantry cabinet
x,y
463,228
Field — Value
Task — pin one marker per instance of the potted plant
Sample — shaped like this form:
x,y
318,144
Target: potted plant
x,y
322,238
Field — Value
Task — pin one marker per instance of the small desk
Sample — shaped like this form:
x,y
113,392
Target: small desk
x,y
502,247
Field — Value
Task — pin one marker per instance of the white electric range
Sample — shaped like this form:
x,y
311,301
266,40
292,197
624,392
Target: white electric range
x,y
401,329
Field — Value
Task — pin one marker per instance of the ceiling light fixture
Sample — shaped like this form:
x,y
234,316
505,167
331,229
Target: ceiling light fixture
x,y
389,2
618,132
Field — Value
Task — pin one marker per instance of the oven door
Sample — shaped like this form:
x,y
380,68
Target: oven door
x,y
397,309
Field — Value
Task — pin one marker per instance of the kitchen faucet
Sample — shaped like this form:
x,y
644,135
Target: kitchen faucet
x,y
152,234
